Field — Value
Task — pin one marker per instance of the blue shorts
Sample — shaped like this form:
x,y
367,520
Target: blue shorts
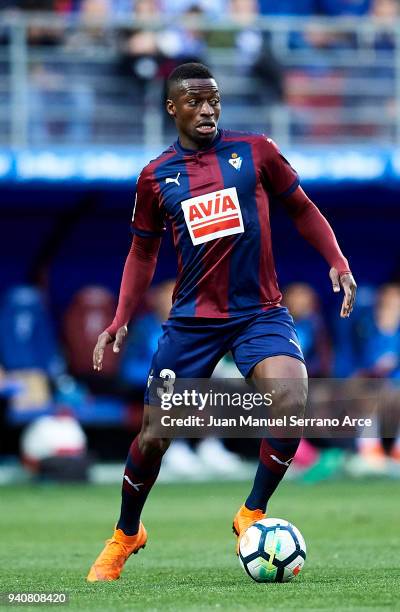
x,y
191,347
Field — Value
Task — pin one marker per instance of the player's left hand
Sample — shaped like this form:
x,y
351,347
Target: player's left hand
x,y
349,287
102,341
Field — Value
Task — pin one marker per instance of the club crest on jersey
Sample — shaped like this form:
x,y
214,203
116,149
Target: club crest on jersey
x,y
236,161
213,215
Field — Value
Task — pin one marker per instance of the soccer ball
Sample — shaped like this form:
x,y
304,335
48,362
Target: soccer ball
x,y
52,436
272,550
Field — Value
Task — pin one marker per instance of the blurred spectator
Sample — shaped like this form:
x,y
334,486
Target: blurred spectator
x,y
385,9
249,38
139,67
368,344
95,20
379,333
140,56
375,336
29,350
185,42
383,42
27,338
316,90
147,54
89,313
147,58
303,304
346,336
59,106
254,56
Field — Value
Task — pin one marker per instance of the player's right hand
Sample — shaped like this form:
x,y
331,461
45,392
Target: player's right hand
x,y
102,341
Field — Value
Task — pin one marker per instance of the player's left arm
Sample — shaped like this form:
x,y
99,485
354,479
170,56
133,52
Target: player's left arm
x,y
314,227
282,181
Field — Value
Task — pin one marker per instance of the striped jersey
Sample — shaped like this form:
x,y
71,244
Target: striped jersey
x,y
217,201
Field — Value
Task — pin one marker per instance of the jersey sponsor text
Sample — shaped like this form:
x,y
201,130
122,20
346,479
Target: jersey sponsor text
x,y
213,215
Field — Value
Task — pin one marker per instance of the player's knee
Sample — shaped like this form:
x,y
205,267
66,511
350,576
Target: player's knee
x,y
289,402
292,398
150,445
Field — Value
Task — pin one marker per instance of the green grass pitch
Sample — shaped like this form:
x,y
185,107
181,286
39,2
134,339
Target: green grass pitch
x,y
51,534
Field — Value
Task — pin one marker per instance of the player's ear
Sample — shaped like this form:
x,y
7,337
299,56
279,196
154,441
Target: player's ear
x,y
171,109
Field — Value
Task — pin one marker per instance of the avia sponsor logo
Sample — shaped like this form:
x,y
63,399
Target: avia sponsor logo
x,y
213,215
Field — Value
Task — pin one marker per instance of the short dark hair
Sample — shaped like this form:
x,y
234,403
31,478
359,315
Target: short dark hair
x,y
190,70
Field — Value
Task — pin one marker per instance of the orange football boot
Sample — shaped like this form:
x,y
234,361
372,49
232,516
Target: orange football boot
x,y
243,520
111,560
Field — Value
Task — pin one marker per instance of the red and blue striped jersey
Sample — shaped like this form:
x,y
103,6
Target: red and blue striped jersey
x,y
217,201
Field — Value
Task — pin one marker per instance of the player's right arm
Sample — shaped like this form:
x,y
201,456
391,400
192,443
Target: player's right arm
x,y
148,226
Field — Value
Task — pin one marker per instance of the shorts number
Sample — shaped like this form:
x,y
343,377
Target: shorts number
x,y
169,377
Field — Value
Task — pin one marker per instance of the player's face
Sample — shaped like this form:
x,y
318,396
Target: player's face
x,y
196,108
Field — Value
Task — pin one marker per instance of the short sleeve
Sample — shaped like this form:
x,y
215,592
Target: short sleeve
x,y
279,177
148,217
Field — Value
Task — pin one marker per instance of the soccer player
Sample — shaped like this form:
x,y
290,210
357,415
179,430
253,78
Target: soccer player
x,y
214,186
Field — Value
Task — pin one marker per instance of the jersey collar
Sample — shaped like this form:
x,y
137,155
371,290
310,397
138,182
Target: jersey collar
x,y
178,147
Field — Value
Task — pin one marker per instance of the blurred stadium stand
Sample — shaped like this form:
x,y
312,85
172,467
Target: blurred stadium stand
x,y
65,80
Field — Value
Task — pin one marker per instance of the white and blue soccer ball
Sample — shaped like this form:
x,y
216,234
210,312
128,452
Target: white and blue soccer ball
x,y
272,550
